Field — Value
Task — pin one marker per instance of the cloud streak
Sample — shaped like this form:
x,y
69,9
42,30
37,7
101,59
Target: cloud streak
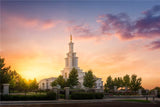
x,y
10,20
155,45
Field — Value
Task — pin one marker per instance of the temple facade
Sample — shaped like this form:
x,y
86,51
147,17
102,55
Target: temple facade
x,y
71,61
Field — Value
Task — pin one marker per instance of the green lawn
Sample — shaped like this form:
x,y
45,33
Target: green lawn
x,y
134,100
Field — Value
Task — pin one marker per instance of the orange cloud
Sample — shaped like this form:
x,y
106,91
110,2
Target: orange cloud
x,y
10,20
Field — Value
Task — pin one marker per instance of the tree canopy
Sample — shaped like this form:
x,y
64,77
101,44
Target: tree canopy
x,y
133,83
109,84
89,79
59,81
5,72
73,78
126,80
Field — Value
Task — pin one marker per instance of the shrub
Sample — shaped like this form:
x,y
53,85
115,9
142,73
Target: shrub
x,y
76,91
62,96
49,96
84,95
158,95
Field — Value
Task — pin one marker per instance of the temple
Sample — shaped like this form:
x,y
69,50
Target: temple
x,y
71,61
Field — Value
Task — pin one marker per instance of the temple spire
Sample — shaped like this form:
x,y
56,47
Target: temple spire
x,y
70,37
70,44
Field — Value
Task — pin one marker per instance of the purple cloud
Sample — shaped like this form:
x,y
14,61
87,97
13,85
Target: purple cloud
x,y
147,26
154,45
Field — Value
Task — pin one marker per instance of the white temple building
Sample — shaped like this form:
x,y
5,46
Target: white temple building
x,y
71,61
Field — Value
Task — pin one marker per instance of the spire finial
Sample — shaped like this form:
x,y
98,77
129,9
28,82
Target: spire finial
x,y
71,37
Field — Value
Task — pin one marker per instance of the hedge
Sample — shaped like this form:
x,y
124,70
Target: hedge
x,y
158,95
85,95
48,96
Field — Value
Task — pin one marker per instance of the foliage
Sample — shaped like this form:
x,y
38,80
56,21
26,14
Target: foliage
x,y
51,95
89,79
17,83
109,84
73,78
4,72
156,88
76,90
59,81
158,95
126,80
33,85
118,82
14,82
135,83
28,97
158,91
84,95
62,96
54,83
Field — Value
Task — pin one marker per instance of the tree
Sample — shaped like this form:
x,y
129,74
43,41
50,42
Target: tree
x,y
54,83
118,82
89,79
135,83
7,75
73,78
156,88
15,77
59,81
33,85
126,80
109,84
4,72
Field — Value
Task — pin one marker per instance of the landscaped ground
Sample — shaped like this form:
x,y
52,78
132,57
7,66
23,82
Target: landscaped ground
x,y
135,100
93,104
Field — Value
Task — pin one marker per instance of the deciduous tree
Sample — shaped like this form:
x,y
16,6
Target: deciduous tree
x,y
109,84
126,81
73,78
135,83
59,81
89,79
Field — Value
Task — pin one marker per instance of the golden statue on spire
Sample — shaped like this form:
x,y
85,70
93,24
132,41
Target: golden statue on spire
x,y
71,37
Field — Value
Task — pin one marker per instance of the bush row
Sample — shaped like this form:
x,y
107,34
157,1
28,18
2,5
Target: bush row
x,y
84,95
158,95
48,96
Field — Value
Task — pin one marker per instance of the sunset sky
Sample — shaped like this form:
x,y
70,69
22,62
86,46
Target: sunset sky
x,y
111,37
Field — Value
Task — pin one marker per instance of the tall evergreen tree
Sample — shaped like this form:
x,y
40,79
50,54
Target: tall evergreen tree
x,y
73,78
89,79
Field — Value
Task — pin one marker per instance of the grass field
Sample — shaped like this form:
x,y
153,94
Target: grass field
x,y
135,100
